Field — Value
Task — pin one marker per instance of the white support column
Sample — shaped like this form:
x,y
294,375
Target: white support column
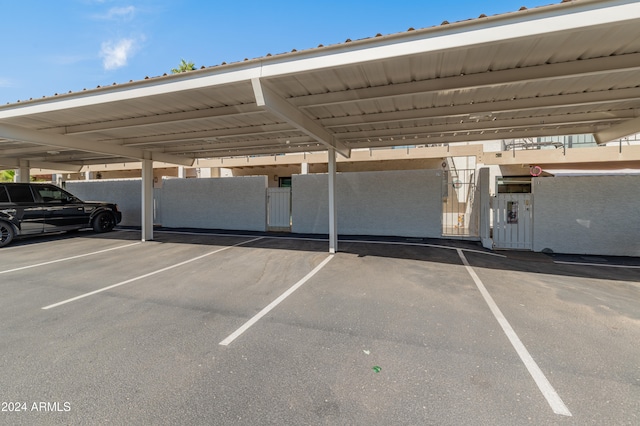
x,y
22,173
333,223
304,169
182,172
147,200
485,208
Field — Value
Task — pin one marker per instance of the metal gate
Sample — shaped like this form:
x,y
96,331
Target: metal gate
x,y
279,209
460,215
513,221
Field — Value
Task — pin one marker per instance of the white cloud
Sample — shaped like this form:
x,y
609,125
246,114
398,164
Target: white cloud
x,y
5,82
122,13
116,54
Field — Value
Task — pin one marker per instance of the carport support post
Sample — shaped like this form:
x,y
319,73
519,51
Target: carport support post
x,y
333,224
485,208
147,200
22,174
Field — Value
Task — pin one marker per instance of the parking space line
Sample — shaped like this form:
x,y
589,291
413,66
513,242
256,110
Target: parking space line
x,y
544,385
597,264
82,296
233,336
69,258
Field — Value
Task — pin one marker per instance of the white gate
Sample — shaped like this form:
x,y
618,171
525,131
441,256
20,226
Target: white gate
x,y
513,221
279,209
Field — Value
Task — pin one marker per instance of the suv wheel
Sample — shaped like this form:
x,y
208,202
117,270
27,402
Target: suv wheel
x,y
103,222
6,233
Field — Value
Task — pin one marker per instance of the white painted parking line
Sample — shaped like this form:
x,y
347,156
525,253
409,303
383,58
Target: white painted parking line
x,y
69,258
597,264
233,336
82,296
544,385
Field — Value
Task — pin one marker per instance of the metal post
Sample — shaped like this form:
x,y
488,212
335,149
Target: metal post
x,y
485,208
147,200
333,224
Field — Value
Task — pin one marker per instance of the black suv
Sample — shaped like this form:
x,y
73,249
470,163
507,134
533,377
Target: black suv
x,y
38,208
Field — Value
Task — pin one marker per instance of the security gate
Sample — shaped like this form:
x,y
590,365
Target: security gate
x,y
279,209
460,216
513,221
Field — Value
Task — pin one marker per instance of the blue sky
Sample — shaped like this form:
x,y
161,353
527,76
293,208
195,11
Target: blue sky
x,y
59,46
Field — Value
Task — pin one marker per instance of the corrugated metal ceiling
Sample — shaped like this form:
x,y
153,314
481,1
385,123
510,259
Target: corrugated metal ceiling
x,y
580,80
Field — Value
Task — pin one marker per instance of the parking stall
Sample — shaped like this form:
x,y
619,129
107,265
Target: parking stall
x,y
252,328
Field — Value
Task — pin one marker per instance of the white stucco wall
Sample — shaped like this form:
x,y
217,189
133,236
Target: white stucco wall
x,y
398,203
125,193
587,215
237,203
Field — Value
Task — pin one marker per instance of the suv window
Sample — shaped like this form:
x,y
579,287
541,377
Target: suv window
x,y
4,197
20,194
51,194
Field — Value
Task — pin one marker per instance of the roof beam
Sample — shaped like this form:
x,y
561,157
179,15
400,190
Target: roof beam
x,y
208,134
9,131
492,125
285,143
281,108
609,64
242,152
76,158
618,131
18,152
453,137
185,116
524,104
14,163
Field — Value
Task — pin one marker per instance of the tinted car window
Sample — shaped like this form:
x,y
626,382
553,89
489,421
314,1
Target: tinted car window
x,y
4,197
20,194
51,194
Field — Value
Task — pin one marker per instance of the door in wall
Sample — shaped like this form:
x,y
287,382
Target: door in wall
x,y
460,214
513,221
279,209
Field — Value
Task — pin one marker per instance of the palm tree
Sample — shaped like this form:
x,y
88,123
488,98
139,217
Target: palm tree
x,y
183,67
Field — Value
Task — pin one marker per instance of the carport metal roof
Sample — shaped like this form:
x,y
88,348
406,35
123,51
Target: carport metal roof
x,y
568,68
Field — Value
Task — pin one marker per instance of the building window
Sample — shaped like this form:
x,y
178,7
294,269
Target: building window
x,y
284,182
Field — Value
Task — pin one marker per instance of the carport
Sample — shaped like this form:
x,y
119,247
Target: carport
x,y
568,68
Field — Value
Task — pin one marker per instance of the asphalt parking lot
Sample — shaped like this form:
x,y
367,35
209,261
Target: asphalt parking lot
x,y
202,328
